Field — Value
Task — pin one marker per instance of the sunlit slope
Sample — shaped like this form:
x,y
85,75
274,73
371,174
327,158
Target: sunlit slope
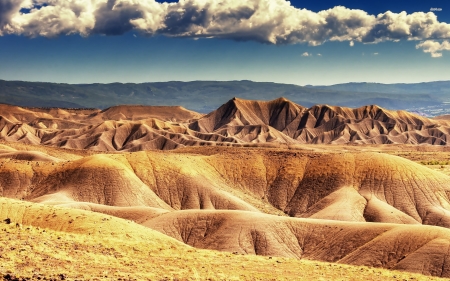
x,y
339,186
139,112
352,186
47,242
114,181
52,242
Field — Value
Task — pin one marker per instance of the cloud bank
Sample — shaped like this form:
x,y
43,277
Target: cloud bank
x,y
434,48
265,21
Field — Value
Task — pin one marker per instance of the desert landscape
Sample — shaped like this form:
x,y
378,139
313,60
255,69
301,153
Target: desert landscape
x,y
255,190
176,140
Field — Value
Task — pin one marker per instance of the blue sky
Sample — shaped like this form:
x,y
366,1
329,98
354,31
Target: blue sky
x,y
133,56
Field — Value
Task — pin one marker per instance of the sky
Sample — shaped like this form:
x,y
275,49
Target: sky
x,y
296,42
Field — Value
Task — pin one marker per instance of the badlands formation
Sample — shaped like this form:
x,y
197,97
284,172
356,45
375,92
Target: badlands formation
x,y
95,188
237,123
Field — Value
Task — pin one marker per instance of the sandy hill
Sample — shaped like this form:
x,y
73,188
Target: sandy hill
x,y
352,186
421,249
237,123
29,114
215,198
139,112
54,243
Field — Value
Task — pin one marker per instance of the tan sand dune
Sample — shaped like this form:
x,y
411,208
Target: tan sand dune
x,y
63,113
442,117
6,148
95,179
339,185
215,197
30,114
28,156
19,114
138,214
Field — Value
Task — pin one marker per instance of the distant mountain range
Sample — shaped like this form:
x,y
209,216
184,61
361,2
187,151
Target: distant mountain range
x,y
206,96
435,89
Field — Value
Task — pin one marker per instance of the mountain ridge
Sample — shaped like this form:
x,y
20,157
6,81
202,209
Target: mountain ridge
x,y
200,96
238,122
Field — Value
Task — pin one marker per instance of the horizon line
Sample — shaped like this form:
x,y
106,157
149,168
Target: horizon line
x,y
241,80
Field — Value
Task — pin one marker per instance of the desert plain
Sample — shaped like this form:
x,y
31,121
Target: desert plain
x,y
255,190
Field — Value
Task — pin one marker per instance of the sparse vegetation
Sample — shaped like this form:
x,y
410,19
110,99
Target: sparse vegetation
x,y
34,253
434,162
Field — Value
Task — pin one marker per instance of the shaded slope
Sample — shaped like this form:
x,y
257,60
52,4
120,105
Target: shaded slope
x,y
421,249
28,156
278,114
323,123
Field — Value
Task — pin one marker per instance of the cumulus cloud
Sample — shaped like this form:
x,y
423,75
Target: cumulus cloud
x,y
306,54
266,21
434,47
352,43
8,9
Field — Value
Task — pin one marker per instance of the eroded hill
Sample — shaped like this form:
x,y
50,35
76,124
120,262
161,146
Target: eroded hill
x,y
237,123
274,202
346,186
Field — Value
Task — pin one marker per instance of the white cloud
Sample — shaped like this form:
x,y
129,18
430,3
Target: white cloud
x,y
319,55
306,54
375,54
434,48
266,21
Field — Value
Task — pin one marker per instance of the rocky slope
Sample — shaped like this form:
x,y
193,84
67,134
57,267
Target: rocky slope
x,y
237,123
